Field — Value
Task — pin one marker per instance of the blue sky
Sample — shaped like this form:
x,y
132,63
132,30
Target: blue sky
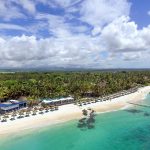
x,y
74,33
139,12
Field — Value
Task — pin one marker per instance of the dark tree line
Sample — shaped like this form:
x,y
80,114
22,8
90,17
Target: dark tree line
x,y
35,85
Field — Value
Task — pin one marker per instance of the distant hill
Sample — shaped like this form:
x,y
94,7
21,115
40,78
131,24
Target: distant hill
x,y
12,70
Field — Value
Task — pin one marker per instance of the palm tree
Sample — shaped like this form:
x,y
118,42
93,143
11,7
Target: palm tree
x,y
50,85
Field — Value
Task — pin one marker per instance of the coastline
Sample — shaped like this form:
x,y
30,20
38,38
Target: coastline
x,y
71,112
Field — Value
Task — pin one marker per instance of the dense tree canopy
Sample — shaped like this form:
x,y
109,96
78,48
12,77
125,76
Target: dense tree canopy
x,y
37,85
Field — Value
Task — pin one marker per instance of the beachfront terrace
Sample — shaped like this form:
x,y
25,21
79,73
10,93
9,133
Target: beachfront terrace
x,y
12,105
59,101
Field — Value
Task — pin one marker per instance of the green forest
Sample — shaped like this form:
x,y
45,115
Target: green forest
x,y
36,85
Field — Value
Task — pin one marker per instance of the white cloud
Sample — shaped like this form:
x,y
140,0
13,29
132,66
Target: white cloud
x,y
148,13
96,13
58,26
102,12
63,3
29,5
96,30
9,8
9,11
11,26
122,35
121,39
100,26
49,52
131,56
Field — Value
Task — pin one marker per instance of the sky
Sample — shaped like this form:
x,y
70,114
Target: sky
x,y
75,33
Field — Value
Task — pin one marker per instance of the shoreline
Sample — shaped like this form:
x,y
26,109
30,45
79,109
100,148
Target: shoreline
x,y
71,112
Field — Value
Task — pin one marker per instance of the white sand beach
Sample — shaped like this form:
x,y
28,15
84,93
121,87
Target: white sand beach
x,y
70,112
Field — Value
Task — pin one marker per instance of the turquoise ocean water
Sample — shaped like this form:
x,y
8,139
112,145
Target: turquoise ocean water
x,y
120,130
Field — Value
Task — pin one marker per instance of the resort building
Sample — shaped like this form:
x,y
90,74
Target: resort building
x,y
11,105
59,101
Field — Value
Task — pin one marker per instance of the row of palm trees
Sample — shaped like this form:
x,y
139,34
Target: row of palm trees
x,y
27,113
86,101
54,84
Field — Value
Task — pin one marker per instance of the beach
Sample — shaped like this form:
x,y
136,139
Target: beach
x,y
70,112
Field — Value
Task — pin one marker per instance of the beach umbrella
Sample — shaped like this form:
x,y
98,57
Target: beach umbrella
x,y
6,115
34,112
46,109
29,110
89,101
14,113
21,113
52,108
75,103
4,118
49,107
41,110
80,104
27,114
35,108
13,116
56,107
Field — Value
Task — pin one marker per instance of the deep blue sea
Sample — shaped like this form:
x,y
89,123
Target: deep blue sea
x,y
120,130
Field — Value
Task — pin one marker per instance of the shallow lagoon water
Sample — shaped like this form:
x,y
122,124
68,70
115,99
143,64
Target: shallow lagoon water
x,y
120,130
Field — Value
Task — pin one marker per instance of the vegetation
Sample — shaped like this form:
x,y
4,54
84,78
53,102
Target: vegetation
x,y
78,84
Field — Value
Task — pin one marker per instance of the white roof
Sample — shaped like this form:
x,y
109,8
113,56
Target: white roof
x,y
46,101
13,101
57,100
